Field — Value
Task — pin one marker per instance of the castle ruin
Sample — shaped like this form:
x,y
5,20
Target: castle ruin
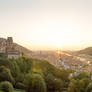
x,y
10,51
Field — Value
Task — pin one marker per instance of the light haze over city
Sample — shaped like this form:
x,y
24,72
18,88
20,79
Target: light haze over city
x,y
47,24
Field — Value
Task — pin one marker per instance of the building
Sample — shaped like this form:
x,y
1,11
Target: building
x,y
10,51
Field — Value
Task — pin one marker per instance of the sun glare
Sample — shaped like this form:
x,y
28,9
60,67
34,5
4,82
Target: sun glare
x,y
58,46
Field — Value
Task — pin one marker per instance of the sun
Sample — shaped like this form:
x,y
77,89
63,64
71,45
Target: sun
x,y
59,45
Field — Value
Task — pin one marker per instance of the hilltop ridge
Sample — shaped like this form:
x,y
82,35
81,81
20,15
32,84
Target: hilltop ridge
x,y
18,47
87,51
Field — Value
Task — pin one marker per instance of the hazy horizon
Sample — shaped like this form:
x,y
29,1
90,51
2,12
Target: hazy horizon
x,y
47,24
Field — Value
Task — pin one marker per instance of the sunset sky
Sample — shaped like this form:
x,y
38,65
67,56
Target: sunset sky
x,y
47,24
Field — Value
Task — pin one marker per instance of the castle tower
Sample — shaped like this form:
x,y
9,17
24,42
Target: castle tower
x,y
9,44
9,40
11,52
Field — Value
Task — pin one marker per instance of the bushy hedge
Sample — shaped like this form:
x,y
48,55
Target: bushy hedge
x,y
6,86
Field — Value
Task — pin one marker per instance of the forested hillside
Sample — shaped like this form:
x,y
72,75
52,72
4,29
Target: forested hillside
x,y
34,75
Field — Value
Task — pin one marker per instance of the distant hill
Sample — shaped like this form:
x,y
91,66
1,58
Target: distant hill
x,y
47,55
18,47
87,51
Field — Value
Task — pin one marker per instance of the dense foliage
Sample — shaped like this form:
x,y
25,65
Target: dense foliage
x,y
34,75
6,86
35,83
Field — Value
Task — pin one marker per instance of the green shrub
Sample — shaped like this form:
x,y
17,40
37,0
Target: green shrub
x,y
14,67
80,85
54,84
35,83
24,64
89,88
6,86
20,78
5,74
82,75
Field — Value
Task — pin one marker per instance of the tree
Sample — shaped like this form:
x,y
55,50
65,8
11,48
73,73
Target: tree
x,y
6,86
82,75
75,86
5,74
35,83
54,84
89,87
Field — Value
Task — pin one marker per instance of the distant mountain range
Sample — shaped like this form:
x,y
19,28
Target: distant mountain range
x,y
87,51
